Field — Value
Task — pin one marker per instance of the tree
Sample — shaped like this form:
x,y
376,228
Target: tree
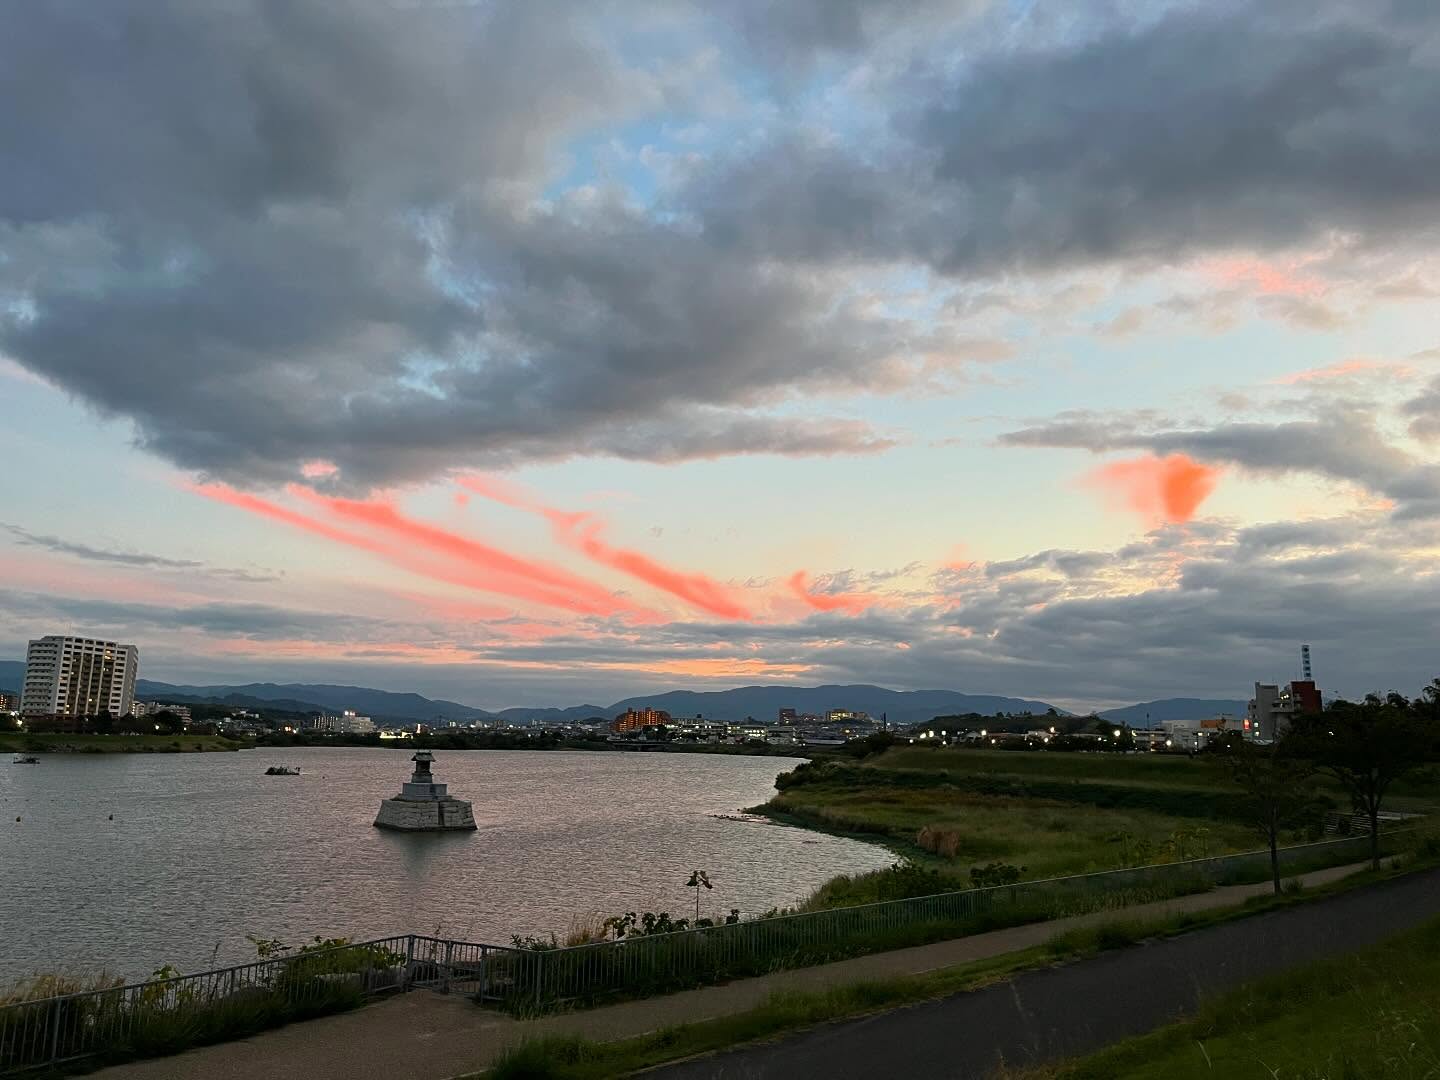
x,y
697,879
1367,747
1273,778
1430,696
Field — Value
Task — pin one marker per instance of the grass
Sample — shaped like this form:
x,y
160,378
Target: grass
x,y
573,1058
52,743
1373,1014
952,821
1047,814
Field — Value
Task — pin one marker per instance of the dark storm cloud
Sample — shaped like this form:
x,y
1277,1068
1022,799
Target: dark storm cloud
x,y
271,232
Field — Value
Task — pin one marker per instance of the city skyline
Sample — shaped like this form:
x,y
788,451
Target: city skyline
x,y
527,357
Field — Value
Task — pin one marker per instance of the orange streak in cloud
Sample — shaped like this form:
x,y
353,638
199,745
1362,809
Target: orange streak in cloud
x,y
571,589
852,602
582,532
1342,368
469,575
1161,489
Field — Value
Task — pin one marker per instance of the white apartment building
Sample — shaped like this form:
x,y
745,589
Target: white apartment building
x,y
347,723
77,676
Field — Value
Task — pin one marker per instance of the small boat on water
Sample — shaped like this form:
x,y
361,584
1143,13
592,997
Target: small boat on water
x,y
25,759
281,770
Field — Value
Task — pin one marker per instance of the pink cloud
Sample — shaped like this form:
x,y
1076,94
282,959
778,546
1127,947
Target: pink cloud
x,y
1343,368
1267,278
1160,489
318,469
527,578
854,603
464,563
583,532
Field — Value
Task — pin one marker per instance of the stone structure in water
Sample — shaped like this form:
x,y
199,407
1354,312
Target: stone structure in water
x,y
423,805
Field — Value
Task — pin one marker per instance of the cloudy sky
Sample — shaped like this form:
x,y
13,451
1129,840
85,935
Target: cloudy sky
x,y
547,352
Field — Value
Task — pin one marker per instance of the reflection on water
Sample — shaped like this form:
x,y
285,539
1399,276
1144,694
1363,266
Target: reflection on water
x,y
202,850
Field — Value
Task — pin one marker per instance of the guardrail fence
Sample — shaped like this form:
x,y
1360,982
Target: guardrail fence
x,y
642,965
168,1014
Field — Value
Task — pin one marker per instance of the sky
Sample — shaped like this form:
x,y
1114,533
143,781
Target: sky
x,y
546,353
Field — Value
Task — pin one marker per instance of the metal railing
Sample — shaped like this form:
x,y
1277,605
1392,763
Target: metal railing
x,y
650,964
168,1014
164,1015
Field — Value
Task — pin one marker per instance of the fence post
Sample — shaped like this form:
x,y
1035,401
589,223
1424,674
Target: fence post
x,y
55,1032
409,976
449,953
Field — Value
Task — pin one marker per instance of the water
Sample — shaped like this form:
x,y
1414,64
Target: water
x,y
203,850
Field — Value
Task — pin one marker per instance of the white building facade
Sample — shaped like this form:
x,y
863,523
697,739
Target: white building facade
x,y
78,676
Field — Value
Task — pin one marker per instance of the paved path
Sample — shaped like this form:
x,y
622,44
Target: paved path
x,y
423,1036
1054,1013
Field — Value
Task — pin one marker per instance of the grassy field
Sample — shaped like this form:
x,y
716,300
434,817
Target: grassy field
x,y
1376,1014
1045,814
114,744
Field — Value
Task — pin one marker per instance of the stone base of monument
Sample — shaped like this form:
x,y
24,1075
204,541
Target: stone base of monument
x,y
424,804
425,815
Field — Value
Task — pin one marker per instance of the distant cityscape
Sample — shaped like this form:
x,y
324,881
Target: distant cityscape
x,y
76,684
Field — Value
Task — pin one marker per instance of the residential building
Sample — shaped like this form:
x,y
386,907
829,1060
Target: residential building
x,y
347,723
9,702
840,716
1269,713
150,708
636,719
78,676
787,716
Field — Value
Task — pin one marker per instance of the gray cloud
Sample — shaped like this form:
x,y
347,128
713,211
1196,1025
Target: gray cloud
x,y
1212,126
126,558
1340,443
1424,412
254,621
278,232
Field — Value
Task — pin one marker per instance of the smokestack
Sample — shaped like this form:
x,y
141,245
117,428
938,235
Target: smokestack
x,y
1305,664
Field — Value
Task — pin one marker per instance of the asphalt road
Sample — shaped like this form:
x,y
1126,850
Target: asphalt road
x,y
1064,1011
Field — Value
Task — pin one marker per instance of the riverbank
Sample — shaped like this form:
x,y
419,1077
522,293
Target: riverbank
x,y
52,743
956,818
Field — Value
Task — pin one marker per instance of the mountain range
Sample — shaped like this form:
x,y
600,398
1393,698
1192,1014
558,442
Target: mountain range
x,y
761,702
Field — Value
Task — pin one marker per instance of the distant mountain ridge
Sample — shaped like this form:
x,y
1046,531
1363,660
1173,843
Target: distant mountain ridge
x,y
762,702
765,702
1150,713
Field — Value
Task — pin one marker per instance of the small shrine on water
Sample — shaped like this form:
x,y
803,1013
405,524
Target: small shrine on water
x,y
423,804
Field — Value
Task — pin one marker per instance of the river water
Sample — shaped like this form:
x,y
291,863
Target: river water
x,y
124,862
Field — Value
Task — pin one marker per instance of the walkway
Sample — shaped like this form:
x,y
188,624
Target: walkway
x,y
1054,1013
424,1036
